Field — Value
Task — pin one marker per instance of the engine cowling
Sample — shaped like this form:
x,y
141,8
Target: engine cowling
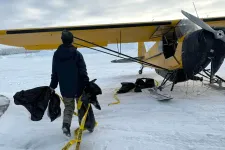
x,y
195,51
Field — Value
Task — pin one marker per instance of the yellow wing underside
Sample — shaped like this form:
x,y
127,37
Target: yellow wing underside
x,y
49,38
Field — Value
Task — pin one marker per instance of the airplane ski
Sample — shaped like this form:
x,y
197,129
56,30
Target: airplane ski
x,y
215,87
158,96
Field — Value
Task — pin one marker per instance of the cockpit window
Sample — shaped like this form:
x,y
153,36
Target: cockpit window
x,y
184,27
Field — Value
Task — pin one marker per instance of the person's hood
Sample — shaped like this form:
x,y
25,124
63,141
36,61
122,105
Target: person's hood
x,y
66,52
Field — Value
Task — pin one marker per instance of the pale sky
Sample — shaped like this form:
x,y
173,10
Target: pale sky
x,y
43,13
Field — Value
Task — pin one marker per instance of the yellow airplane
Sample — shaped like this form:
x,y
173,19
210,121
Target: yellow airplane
x,y
183,47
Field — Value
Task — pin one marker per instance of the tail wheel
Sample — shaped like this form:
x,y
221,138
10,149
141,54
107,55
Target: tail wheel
x,y
140,71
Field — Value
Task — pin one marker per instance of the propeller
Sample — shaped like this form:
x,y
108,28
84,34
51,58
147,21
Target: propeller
x,y
217,34
218,58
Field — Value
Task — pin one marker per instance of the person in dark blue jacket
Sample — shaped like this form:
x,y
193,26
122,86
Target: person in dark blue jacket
x,y
69,70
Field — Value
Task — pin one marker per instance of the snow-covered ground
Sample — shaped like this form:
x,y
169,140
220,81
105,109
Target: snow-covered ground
x,y
193,120
4,104
10,51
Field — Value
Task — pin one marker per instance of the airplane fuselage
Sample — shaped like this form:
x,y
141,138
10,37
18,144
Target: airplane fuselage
x,y
188,56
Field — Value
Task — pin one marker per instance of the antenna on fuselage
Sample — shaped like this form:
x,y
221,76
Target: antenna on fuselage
x,y
195,9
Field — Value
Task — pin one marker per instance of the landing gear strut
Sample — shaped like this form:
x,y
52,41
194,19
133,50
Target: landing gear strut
x,y
168,76
175,77
140,71
212,78
210,73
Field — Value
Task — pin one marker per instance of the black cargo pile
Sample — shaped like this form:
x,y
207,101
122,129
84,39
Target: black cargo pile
x,y
141,83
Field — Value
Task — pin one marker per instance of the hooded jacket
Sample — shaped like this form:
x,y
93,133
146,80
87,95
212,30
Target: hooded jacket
x,y
69,70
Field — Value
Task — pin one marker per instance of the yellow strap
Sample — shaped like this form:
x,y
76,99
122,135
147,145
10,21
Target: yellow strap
x,y
157,83
80,130
115,97
79,103
69,144
84,118
78,133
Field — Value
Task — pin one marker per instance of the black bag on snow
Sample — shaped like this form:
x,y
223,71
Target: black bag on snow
x,y
141,84
149,83
36,101
126,87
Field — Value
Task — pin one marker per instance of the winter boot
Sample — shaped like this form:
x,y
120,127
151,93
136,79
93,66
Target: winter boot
x,y
66,129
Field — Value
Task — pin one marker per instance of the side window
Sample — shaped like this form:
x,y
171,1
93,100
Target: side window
x,y
169,44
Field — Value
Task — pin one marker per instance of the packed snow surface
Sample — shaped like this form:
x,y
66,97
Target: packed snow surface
x,y
193,120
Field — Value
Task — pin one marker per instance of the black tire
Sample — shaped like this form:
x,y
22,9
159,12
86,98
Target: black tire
x,y
140,71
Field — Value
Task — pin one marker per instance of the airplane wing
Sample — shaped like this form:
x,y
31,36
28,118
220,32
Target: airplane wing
x,y
215,22
50,38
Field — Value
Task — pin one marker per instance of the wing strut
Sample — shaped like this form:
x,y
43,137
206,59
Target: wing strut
x,y
134,59
100,51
